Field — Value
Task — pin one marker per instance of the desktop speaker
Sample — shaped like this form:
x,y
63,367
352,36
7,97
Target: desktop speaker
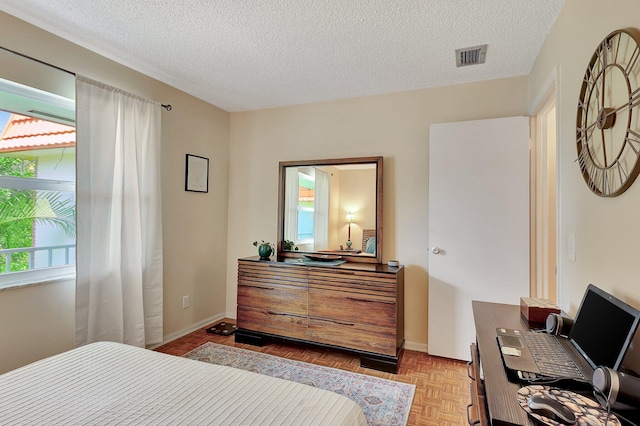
x,y
559,325
617,387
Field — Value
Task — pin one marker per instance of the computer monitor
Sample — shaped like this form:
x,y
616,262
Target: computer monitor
x,y
604,327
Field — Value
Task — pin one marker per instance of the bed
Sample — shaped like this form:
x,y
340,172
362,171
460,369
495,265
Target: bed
x,y
369,241
111,383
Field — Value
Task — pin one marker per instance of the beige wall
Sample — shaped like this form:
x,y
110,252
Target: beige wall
x,y
395,126
606,230
39,321
35,322
358,195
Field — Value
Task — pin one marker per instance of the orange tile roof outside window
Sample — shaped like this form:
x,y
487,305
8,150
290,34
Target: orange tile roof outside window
x,y
23,133
305,194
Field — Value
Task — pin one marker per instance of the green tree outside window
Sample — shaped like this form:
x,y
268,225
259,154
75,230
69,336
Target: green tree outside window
x,y
20,210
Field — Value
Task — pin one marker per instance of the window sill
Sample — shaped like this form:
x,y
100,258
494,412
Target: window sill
x,y
38,277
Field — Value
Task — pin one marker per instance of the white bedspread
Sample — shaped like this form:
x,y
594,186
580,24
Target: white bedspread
x,y
110,383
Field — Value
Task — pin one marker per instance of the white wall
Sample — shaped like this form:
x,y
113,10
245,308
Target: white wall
x,y
39,321
606,229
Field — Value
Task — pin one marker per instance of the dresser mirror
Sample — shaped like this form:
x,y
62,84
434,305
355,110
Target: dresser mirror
x,y
331,207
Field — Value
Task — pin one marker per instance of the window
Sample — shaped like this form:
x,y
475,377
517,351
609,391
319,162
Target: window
x,y
306,208
306,204
37,185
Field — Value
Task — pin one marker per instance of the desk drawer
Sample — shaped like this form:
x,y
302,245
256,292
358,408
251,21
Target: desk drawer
x,y
477,410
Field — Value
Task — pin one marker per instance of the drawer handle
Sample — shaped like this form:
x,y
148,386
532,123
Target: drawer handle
x,y
386,302
343,323
276,313
474,422
350,324
286,315
264,288
469,364
340,272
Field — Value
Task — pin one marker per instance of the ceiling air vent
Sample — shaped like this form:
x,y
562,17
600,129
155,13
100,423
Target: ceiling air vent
x,y
471,55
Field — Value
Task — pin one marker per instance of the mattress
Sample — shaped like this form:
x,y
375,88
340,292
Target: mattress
x,y
108,383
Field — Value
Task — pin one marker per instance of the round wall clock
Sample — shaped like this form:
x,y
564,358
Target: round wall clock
x,y
608,123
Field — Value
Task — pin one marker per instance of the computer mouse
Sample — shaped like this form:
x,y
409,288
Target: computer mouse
x,y
551,409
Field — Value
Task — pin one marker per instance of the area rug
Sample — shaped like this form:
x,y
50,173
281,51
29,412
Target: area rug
x,y
384,402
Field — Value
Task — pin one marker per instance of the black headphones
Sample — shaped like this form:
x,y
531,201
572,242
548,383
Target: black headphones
x,y
558,325
617,387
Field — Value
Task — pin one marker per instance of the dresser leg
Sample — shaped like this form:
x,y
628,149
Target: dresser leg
x,y
386,364
243,336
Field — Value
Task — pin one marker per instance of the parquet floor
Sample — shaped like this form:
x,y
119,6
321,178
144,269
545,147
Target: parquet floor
x,y
442,385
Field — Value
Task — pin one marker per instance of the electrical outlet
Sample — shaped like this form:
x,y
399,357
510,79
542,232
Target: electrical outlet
x,y
185,302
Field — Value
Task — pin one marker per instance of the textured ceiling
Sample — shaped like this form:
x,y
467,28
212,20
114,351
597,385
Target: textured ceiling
x,y
244,54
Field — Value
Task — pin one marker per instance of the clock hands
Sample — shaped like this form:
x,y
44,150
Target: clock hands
x,y
606,113
604,71
600,118
634,101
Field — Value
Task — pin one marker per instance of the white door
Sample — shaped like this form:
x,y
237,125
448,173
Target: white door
x,y
478,225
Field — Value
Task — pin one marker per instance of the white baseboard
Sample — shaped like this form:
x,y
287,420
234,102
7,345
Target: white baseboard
x,y
173,336
419,347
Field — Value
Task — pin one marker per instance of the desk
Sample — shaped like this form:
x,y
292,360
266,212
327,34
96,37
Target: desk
x,y
493,395
499,393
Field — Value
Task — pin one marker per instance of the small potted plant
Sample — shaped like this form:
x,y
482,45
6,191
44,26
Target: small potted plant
x,y
289,245
264,249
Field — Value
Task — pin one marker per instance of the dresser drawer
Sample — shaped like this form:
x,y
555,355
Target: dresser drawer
x,y
360,308
262,273
354,281
273,298
353,336
273,321
268,296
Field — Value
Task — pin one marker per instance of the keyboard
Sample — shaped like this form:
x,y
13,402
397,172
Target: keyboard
x,y
550,357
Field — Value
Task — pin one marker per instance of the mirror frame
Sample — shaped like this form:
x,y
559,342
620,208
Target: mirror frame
x,y
332,162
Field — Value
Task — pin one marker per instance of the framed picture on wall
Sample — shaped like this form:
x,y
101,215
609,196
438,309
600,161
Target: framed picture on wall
x,y
197,174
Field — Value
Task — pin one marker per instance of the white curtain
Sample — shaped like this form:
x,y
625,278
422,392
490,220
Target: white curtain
x,y
119,234
291,200
321,211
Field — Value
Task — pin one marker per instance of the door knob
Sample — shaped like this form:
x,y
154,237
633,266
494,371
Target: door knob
x,y
435,250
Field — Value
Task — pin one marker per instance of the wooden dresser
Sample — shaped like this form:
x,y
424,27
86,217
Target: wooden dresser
x,y
356,307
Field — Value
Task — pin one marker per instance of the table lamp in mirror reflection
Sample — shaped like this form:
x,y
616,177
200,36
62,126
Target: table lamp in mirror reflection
x,y
349,221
